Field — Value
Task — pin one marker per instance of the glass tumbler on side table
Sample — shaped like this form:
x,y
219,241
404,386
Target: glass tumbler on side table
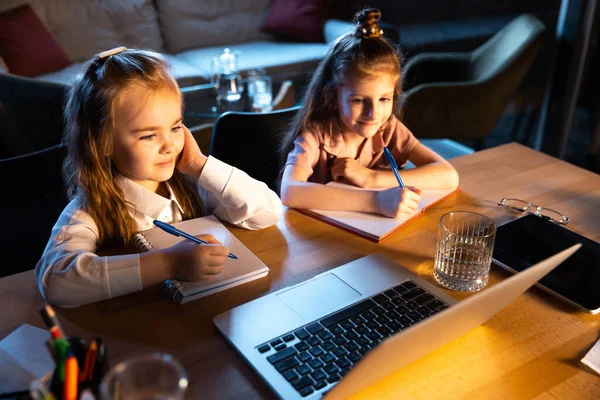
x,y
463,252
260,92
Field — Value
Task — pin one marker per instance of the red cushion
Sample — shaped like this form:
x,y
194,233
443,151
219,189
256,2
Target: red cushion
x,y
26,46
296,19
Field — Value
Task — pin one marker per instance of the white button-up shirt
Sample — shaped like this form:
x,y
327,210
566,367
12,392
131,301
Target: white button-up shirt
x,y
70,273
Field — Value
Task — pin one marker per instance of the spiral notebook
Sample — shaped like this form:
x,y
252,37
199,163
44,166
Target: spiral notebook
x,y
246,268
375,227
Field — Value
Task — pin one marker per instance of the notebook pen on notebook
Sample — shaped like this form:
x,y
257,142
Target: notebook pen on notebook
x,y
393,165
176,232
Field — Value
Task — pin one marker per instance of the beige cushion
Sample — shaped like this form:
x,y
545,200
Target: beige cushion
x,y
191,24
179,69
86,27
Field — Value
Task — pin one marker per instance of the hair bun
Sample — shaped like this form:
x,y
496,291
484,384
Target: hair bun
x,y
367,23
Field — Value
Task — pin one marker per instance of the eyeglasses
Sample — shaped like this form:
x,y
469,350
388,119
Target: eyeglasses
x,y
528,208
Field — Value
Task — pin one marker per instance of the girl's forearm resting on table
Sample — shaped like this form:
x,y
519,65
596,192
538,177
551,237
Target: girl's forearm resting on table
x,y
299,194
437,175
155,267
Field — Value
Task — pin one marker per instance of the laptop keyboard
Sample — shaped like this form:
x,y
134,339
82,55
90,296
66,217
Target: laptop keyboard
x,y
315,357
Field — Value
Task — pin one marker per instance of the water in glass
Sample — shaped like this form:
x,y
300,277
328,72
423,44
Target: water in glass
x,y
261,92
464,250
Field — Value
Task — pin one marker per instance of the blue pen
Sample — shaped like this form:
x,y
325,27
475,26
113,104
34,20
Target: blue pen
x,y
174,231
393,165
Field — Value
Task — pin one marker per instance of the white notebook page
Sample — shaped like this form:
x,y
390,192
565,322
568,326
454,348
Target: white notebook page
x,y
247,263
377,225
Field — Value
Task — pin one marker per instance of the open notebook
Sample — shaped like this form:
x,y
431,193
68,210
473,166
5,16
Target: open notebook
x,y
374,227
235,272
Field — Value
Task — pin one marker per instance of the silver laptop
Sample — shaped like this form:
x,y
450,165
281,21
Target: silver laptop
x,y
345,329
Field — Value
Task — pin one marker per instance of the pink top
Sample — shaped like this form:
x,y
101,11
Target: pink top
x,y
314,151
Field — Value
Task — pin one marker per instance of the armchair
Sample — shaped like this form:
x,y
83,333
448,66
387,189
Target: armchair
x,y
463,95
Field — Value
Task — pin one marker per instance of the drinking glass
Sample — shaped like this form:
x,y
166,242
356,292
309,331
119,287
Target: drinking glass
x,y
229,86
260,90
463,253
252,75
145,377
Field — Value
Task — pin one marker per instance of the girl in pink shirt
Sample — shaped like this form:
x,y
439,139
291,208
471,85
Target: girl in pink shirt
x,y
346,120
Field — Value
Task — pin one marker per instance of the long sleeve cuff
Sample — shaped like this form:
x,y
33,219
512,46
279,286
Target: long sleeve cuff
x,y
124,274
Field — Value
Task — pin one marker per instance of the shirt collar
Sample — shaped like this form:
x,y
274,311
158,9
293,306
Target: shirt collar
x,y
146,201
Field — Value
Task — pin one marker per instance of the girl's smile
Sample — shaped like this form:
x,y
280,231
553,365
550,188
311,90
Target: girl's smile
x,y
167,164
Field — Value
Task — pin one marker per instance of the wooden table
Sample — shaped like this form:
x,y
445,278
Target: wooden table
x,y
530,350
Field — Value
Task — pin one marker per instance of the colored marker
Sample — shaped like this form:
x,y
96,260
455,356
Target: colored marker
x,y
71,377
50,319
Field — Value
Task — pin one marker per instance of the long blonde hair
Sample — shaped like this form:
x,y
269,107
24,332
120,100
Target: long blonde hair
x,y
89,113
364,53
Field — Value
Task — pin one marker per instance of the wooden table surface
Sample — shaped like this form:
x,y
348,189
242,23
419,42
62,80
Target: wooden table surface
x,y
532,349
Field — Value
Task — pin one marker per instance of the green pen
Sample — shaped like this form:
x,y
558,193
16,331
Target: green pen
x,y
60,356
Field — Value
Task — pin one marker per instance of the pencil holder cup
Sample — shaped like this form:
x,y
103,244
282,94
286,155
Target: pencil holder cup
x,y
76,377
43,389
463,253
150,376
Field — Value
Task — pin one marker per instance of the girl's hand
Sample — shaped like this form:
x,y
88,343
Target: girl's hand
x,y
352,171
193,262
191,160
397,202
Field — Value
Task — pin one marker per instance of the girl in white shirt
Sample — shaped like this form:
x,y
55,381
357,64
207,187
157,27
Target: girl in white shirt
x,y
130,161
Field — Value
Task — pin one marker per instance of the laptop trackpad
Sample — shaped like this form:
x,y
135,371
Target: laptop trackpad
x,y
319,296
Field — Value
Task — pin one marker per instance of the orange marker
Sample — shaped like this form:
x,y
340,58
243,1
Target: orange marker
x,y
71,374
90,360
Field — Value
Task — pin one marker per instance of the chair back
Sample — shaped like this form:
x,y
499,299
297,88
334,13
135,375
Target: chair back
x,y
31,114
250,142
513,47
471,107
33,197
